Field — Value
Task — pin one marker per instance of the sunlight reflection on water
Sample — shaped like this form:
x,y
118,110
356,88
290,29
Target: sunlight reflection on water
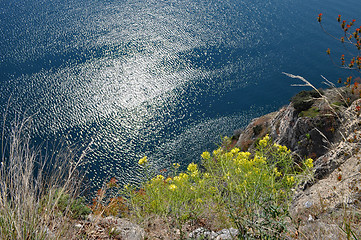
x,y
157,78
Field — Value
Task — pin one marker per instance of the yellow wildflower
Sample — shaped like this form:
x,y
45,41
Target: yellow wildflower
x,y
206,155
259,159
235,150
264,141
267,138
277,146
290,179
192,167
309,162
143,161
285,149
213,189
182,177
244,155
169,180
228,155
172,187
194,174
176,165
276,172
198,200
281,148
217,152
158,178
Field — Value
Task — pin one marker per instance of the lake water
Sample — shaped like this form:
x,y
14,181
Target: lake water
x,y
161,78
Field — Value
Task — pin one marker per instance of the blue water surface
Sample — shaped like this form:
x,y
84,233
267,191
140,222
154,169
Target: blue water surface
x,y
161,78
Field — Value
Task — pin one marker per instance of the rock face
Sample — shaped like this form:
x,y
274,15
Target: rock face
x,y
329,131
306,136
307,133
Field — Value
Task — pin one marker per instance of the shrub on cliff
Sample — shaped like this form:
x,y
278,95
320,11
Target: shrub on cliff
x,y
250,191
303,100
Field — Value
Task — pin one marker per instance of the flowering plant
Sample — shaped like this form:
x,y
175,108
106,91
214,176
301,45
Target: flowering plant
x,y
251,191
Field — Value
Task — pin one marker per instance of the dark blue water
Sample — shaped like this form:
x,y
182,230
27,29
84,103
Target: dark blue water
x,y
163,78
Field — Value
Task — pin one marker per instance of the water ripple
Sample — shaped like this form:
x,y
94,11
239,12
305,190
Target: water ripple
x,y
157,78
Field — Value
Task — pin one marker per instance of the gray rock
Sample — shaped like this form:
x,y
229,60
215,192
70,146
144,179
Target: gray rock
x,y
224,234
119,228
305,136
202,233
227,234
322,230
124,229
78,225
308,204
257,128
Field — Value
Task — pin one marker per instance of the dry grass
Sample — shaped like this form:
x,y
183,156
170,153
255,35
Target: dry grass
x,y
31,186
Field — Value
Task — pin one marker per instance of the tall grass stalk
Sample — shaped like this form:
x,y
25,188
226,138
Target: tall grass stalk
x,y
31,185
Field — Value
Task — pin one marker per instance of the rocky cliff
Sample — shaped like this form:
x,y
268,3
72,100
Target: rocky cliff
x,y
325,126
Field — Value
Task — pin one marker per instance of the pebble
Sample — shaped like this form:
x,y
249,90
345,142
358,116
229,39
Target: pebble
x,y
308,204
224,234
78,225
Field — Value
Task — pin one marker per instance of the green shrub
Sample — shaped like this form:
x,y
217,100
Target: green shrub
x,y
253,189
74,208
65,204
311,112
304,100
257,130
